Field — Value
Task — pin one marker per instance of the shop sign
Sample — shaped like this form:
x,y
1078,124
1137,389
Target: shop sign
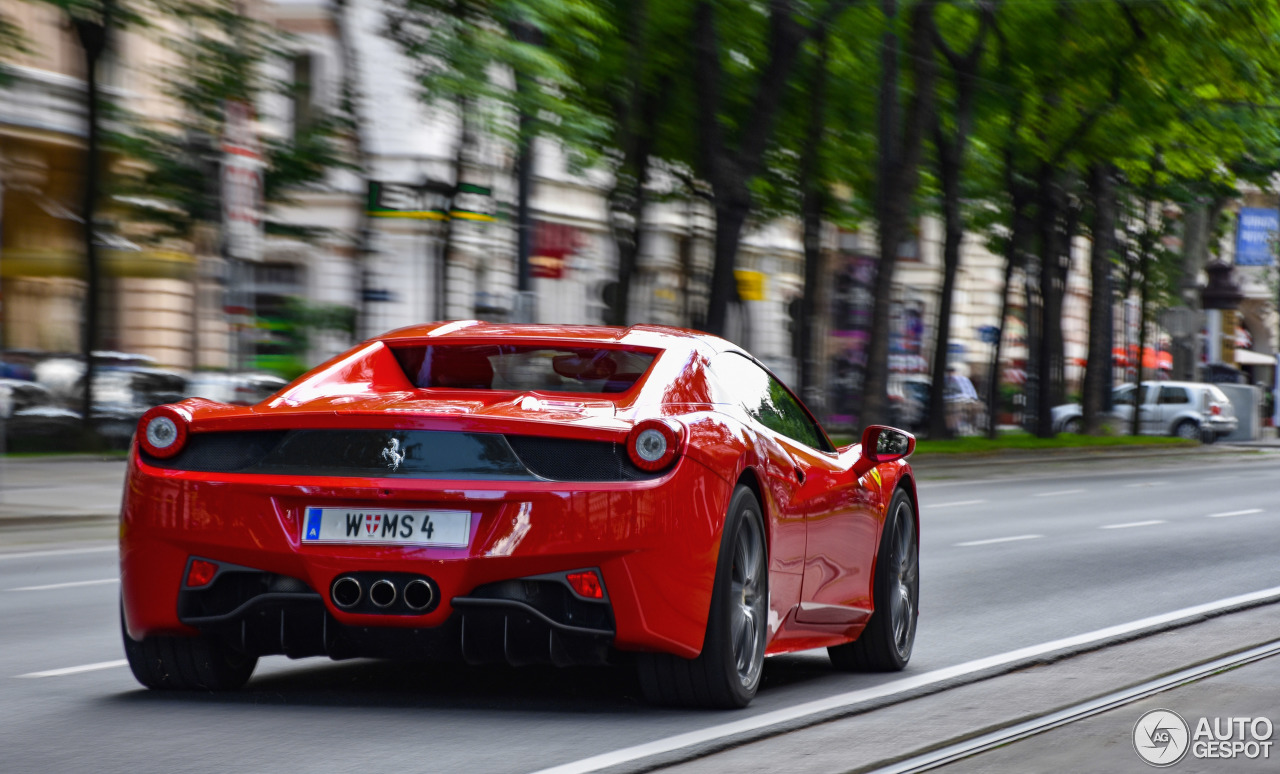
x,y
751,284
429,200
553,243
1256,236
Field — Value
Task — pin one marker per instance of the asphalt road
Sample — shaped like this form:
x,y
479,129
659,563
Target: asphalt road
x,y
1009,559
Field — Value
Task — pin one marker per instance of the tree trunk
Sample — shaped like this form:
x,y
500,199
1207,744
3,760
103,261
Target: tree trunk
x,y
729,168
1102,191
897,177
811,208
949,173
1013,259
1146,244
1049,349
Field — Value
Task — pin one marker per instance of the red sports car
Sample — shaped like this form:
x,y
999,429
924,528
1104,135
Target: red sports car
x,y
519,493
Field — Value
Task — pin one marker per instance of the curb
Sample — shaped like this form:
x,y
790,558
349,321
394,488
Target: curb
x,y
937,460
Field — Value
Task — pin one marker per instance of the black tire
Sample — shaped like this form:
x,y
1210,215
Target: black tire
x,y
885,644
186,663
727,673
1074,425
1187,430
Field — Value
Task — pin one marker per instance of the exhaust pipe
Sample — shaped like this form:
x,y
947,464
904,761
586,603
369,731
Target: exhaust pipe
x,y
345,592
418,594
382,593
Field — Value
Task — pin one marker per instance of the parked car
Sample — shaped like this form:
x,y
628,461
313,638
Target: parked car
x,y
32,417
519,494
241,389
1184,409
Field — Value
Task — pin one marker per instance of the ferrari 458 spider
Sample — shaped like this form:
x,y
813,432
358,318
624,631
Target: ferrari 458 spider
x,y
519,493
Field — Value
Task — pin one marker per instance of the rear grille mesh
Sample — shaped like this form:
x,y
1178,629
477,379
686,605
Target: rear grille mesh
x,y
403,454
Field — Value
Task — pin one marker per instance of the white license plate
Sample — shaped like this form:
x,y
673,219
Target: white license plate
x,y
378,525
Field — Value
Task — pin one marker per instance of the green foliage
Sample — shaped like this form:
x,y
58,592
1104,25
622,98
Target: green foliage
x,y
225,57
481,51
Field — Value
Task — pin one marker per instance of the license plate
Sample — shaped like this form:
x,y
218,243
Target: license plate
x,y
401,527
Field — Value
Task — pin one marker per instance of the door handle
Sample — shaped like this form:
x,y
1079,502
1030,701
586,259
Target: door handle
x,y
798,473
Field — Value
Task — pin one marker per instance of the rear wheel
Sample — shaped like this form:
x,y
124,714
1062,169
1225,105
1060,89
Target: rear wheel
x,y
186,663
1074,425
1187,430
727,672
885,644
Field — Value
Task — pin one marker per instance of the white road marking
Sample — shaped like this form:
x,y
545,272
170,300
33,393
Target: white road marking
x,y
59,552
1245,512
999,540
67,585
77,669
1219,478
1140,484
1060,492
955,504
1127,525
842,703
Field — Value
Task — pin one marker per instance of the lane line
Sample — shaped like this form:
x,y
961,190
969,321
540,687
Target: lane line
x,y
75,670
955,504
1140,484
843,704
1060,492
1245,512
999,540
1127,525
59,552
67,585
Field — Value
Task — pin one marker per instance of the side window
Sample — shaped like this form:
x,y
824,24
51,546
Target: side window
x,y
1173,395
767,400
1123,396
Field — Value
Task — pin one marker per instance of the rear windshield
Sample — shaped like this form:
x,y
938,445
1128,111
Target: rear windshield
x,y
522,367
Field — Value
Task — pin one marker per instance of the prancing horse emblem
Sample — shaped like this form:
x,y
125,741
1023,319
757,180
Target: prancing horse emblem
x,y
392,455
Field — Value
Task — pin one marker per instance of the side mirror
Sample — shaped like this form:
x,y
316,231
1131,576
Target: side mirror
x,y
881,444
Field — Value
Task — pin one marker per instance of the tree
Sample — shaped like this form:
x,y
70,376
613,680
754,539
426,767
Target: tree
x,y
730,160
508,59
900,140
950,144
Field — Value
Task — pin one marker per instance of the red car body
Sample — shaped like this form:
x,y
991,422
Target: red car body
x,y
653,539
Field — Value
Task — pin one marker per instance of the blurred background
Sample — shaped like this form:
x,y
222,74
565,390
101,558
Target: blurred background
x,y
949,215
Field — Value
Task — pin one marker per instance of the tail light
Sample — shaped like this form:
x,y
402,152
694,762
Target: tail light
x,y
653,444
587,584
1215,409
200,573
162,431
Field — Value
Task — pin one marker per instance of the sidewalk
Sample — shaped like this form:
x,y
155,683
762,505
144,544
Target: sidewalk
x,y
1102,743
1105,742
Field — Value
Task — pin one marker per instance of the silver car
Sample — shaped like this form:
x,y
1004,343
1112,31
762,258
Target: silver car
x,y
1184,409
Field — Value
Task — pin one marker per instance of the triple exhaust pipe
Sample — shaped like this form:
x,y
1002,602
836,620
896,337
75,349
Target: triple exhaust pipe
x,y
347,592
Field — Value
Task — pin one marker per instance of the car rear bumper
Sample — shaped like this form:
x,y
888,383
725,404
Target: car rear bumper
x,y
653,542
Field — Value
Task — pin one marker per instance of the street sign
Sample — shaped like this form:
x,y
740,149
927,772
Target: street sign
x,y
1256,236
429,200
242,170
